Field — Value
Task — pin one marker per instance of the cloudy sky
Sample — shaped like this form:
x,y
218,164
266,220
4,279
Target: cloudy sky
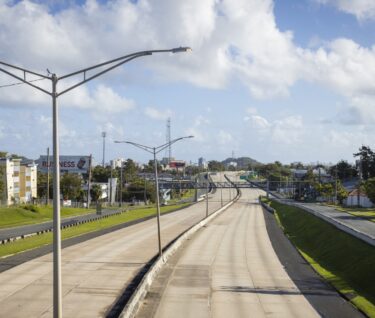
x,y
274,80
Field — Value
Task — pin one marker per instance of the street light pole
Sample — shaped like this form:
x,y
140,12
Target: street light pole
x,y
157,202
154,151
104,134
112,64
207,195
57,308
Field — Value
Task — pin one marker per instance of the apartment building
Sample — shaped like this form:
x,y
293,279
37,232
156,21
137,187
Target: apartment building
x,y
20,180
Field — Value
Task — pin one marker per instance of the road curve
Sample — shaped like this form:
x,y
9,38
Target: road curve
x,y
228,269
95,272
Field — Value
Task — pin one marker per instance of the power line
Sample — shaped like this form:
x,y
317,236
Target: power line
x,y
20,83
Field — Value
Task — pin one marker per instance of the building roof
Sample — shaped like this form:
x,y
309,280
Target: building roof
x,y
362,193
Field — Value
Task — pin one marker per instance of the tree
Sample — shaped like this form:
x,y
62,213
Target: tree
x,y
345,171
2,183
101,174
366,162
95,192
342,194
42,185
214,165
70,185
370,189
130,168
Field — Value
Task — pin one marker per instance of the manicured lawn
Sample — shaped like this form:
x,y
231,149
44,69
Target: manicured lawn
x,y
17,216
46,238
343,260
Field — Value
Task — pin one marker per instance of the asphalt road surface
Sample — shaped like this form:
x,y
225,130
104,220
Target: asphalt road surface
x,y
96,272
230,269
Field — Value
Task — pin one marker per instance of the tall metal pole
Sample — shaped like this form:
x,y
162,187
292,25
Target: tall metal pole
x,y
207,196
48,163
89,183
104,134
336,185
144,189
157,203
122,164
221,188
110,187
57,303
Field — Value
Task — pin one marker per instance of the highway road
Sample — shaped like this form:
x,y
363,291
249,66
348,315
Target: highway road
x,y
230,269
95,272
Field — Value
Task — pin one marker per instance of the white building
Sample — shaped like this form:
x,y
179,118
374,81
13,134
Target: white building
x,y
20,181
352,199
116,163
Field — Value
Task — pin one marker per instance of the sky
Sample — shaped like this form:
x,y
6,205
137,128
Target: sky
x,y
275,80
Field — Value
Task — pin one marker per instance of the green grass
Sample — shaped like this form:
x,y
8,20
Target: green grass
x,y
366,213
343,260
46,238
17,216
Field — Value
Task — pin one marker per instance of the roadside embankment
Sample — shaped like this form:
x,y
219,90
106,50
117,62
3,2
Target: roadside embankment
x,y
344,261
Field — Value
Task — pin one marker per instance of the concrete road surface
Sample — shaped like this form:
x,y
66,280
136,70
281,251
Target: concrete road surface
x,y
95,272
230,269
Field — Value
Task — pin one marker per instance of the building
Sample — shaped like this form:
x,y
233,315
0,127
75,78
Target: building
x,y
202,163
116,163
356,198
20,180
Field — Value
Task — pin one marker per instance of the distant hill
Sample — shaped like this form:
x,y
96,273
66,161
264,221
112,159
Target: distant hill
x,y
242,162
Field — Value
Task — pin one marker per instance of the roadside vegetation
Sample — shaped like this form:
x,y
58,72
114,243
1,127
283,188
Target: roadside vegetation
x,y
46,238
343,260
32,214
365,213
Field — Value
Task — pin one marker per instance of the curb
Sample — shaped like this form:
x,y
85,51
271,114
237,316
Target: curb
x,y
140,292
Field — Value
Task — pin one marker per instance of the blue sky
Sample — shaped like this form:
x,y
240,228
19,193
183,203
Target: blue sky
x,y
274,80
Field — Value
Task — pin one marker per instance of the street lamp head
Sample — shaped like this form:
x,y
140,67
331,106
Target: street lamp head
x,y
190,137
181,49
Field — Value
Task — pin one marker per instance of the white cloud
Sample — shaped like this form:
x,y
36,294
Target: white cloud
x,y
225,138
287,130
231,39
362,9
199,129
157,114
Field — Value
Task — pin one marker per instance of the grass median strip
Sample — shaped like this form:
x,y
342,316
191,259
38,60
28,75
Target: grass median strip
x,y
30,214
46,238
343,260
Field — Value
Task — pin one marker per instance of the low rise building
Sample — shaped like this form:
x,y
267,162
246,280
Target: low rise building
x,y
20,180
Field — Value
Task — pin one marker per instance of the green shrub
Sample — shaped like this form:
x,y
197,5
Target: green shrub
x,y
31,207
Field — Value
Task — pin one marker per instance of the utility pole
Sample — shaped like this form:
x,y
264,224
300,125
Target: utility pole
x,y
207,195
104,134
121,182
110,186
336,185
47,195
89,183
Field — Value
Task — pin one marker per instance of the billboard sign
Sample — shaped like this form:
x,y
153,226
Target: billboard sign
x,y
177,164
73,164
